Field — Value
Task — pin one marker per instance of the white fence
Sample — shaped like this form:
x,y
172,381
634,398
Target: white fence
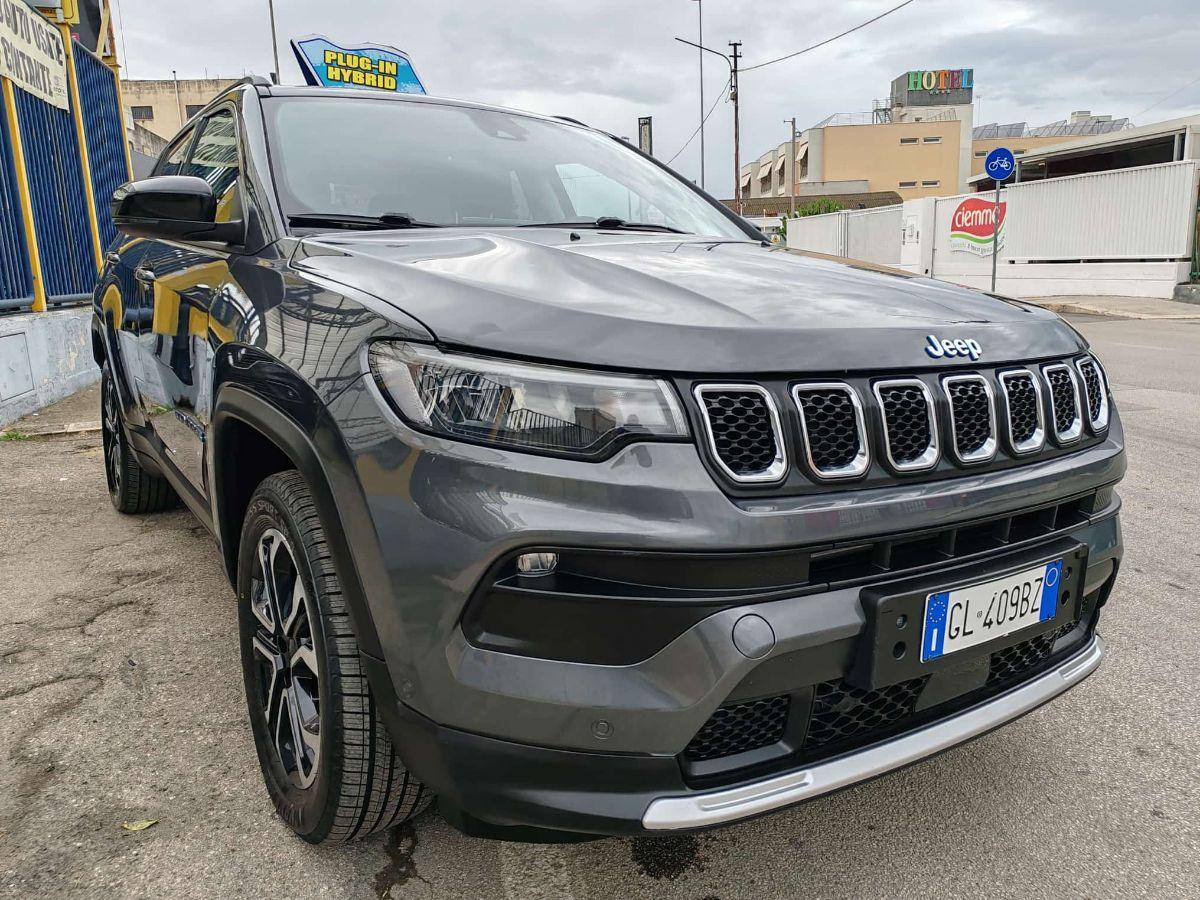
x,y
869,234
1126,232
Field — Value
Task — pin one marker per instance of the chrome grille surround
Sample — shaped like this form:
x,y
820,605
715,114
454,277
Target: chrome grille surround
x,y
987,450
862,459
929,458
1099,422
1074,430
779,465
1037,439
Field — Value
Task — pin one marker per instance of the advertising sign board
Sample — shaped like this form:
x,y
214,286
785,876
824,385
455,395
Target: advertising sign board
x,y
972,225
32,55
369,66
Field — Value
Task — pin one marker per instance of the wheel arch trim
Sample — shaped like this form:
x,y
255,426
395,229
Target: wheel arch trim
x,y
234,403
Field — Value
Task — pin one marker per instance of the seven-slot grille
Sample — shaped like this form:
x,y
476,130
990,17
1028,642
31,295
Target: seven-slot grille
x,y
837,430
972,417
743,431
910,430
1095,393
1065,416
835,435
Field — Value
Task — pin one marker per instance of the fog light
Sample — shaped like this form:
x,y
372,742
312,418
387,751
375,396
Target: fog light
x,y
537,564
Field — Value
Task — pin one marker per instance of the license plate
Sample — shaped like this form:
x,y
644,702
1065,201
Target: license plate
x,y
965,617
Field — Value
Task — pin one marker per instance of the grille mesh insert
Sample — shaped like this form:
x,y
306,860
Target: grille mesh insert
x,y
1091,381
1022,407
1012,662
841,712
906,415
742,430
972,410
1062,391
740,727
831,425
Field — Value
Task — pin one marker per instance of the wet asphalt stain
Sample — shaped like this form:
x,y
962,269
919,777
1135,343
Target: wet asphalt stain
x,y
667,857
400,846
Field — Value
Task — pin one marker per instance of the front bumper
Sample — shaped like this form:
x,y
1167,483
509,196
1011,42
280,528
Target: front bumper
x,y
497,788
706,808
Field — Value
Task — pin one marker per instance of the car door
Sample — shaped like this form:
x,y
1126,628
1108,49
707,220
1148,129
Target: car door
x,y
180,281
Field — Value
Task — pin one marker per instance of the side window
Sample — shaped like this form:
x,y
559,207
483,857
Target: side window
x,y
594,194
215,159
172,159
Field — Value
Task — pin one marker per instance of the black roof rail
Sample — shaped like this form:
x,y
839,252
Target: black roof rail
x,y
572,121
258,81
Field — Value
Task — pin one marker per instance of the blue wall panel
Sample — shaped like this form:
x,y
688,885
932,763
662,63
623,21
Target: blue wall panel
x,y
59,197
105,137
16,283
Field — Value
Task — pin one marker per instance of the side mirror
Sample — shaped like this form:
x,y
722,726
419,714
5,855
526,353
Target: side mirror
x,y
172,206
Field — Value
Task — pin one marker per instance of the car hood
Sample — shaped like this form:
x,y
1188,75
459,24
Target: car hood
x,y
646,301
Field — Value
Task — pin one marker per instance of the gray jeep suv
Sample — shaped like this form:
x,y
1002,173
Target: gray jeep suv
x,y
549,488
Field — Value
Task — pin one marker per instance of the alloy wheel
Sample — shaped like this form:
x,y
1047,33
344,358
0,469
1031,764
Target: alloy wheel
x,y
286,658
111,433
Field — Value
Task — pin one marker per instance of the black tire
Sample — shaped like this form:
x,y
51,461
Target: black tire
x,y
130,487
346,780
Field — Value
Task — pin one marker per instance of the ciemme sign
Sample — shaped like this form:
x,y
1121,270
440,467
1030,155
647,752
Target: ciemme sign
x,y
938,80
972,225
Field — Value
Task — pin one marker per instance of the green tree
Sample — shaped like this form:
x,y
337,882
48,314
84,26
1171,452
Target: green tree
x,y
818,207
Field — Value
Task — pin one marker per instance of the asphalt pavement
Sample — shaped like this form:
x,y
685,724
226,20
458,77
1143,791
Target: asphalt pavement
x,y
121,701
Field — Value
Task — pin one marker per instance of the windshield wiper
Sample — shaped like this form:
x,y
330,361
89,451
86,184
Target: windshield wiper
x,y
345,220
608,223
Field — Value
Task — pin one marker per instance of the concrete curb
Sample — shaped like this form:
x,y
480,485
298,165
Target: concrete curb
x,y
1087,308
51,430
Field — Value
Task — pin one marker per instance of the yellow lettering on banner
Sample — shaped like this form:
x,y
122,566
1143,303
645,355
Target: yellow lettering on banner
x,y
331,56
387,67
390,83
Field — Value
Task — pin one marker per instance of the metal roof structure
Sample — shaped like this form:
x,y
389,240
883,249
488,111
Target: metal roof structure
x,y
1081,123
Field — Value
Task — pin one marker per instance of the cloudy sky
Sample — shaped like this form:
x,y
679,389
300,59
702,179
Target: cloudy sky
x,y
606,62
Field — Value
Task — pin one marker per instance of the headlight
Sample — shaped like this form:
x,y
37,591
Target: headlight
x,y
544,409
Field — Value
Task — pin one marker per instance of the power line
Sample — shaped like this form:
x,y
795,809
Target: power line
x,y
1166,98
828,40
720,97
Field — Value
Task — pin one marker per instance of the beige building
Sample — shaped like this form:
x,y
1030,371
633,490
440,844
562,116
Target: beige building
x,y
163,106
921,142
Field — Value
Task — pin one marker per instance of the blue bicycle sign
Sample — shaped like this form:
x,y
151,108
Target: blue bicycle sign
x,y
1000,164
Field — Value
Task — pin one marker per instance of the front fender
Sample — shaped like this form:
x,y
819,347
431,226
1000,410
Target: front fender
x,y
281,407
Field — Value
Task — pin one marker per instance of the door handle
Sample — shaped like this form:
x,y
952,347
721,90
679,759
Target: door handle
x,y
144,275
113,257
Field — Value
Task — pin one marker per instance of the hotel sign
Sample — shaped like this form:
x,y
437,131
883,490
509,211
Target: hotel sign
x,y
32,55
941,80
934,87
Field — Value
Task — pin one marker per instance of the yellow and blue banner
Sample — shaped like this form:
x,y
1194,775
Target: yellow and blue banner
x,y
369,66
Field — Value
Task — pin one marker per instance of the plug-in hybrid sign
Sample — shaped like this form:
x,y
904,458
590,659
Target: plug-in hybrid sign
x,y
369,66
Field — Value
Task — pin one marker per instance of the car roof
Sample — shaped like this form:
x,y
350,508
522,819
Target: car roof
x,y
275,90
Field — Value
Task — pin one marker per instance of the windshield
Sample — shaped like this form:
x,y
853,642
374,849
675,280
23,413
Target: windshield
x,y
451,165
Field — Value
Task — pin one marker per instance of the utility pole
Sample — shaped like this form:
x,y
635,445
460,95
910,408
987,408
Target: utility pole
x,y
735,55
700,14
274,40
791,123
178,99
732,61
